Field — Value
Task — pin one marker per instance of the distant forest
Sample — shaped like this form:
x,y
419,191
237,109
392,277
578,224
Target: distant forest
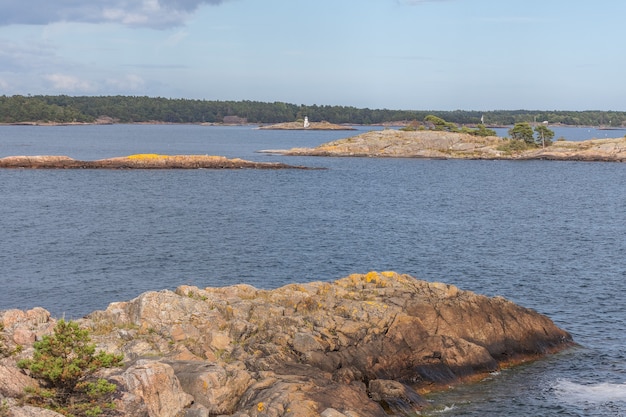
x,y
131,109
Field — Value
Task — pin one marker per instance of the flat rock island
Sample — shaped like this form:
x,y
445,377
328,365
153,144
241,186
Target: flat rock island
x,y
306,126
367,345
139,161
450,145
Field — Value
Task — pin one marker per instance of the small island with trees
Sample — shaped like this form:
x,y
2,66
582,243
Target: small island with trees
x,y
436,138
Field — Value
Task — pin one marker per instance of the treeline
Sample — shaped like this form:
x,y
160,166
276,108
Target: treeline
x,y
130,109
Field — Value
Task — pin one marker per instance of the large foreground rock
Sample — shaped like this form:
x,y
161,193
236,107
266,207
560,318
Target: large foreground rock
x,y
366,345
449,145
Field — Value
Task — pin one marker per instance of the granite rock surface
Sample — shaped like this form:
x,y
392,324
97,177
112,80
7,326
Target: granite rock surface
x,y
367,345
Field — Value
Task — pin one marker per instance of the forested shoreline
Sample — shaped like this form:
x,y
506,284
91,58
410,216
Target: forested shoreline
x,y
132,109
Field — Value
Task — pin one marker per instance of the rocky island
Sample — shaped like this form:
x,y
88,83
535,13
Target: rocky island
x,y
306,126
451,145
139,161
367,345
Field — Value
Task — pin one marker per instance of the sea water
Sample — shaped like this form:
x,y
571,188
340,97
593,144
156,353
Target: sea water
x,y
545,234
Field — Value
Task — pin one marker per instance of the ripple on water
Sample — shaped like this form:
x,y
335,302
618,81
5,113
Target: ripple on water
x,y
546,235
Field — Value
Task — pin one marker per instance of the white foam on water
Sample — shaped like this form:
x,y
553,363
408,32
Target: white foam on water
x,y
601,393
447,408
444,410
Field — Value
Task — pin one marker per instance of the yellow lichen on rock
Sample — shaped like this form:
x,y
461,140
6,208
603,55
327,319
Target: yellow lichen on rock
x,y
372,276
146,156
378,279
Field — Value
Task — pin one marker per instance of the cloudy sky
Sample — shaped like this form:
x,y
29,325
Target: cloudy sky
x,y
396,54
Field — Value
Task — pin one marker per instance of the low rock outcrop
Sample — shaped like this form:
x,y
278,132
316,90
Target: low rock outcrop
x,y
366,345
139,161
311,126
448,145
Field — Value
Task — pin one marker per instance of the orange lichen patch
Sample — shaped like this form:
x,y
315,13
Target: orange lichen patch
x,y
157,160
140,161
354,279
147,156
155,156
372,276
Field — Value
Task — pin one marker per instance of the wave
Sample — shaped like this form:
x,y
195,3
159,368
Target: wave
x,y
443,410
600,393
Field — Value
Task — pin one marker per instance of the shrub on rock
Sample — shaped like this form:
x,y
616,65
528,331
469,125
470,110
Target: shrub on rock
x,y
65,363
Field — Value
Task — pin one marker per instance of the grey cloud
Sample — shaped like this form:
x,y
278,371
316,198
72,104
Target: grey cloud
x,y
18,57
147,13
188,5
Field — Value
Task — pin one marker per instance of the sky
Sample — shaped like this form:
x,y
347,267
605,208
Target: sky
x,y
392,54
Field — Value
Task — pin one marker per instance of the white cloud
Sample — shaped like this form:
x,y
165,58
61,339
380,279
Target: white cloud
x,y
152,5
69,83
148,13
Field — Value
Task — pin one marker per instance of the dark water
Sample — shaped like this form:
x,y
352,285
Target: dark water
x,y
548,235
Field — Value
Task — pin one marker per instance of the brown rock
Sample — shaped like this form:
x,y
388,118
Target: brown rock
x,y
395,396
331,412
217,388
358,346
449,145
152,387
23,336
29,411
305,342
32,318
12,380
139,161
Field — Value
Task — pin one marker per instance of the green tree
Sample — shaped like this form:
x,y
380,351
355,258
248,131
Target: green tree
x,y
522,131
64,108
544,135
482,130
65,362
441,124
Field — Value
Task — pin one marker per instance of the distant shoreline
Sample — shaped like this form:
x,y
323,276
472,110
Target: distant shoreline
x,y
315,126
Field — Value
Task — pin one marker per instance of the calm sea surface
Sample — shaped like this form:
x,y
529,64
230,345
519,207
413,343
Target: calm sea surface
x,y
548,235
